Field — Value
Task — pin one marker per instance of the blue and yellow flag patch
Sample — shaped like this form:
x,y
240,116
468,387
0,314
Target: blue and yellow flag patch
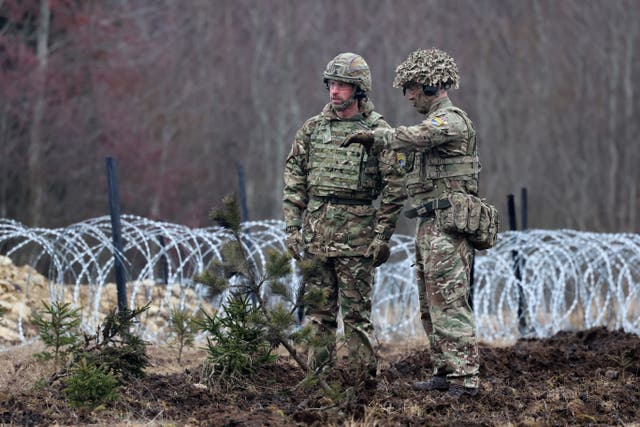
x,y
401,159
439,121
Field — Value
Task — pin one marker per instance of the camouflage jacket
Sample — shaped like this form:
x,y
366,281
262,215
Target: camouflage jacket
x,y
441,153
334,229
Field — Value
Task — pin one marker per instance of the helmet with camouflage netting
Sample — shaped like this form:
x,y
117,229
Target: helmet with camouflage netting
x,y
431,67
349,68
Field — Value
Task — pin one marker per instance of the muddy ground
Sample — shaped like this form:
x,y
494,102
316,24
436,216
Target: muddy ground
x,y
590,377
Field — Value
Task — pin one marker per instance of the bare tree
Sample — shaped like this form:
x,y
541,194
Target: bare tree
x,y
182,92
36,143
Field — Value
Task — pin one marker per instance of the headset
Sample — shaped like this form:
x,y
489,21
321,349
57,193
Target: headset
x,y
360,94
430,90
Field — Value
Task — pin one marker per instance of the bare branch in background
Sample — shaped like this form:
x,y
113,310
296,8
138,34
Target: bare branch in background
x,y
181,92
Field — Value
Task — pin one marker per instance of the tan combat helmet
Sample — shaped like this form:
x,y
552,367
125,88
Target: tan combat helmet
x,y
349,68
431,67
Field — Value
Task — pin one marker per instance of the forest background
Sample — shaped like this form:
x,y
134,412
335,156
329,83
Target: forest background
x,y
183,92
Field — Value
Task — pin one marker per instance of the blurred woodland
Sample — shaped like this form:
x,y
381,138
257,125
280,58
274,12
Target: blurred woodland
x,y
183,92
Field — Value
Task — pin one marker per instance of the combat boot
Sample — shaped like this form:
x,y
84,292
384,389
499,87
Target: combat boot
x,y
438,382
371,380
457,391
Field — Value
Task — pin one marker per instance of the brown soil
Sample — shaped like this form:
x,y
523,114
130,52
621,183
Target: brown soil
x,y
589,377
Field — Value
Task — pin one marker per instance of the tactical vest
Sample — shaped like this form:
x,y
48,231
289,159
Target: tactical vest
x,y
345,172
434,176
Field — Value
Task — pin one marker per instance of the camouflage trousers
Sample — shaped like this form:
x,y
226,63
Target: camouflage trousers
x,y
346,283
443,264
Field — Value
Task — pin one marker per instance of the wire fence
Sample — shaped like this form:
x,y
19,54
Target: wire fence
x,y
532,283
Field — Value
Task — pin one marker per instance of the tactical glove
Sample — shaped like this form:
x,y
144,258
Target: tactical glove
x,y
294,242
379,251
363,137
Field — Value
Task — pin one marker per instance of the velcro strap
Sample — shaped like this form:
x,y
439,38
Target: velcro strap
x,y
428,208
450,167
454,160
341,201
471,171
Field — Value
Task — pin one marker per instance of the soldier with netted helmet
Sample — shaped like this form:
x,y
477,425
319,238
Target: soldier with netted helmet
x,y
442,182
330,217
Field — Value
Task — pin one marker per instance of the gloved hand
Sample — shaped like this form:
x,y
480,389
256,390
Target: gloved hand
x,y
294,242
363,137
379,251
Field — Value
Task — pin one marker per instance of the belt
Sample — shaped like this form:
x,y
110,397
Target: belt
x,y
428,208
341,201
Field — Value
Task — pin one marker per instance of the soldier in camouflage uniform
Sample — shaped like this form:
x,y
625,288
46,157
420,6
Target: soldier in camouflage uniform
x,y
442,165
329,215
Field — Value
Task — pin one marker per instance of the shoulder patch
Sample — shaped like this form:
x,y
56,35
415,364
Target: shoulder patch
x,y
401,160
439,121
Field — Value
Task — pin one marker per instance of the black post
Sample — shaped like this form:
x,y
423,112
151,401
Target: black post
x,y
116,231
522,321
243,193
523,209
511,205
165,262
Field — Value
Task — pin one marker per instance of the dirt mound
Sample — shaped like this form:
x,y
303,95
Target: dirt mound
x,y
588,377
23,289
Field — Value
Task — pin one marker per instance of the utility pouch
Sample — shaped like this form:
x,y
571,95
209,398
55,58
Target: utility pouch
x,y
446,218
487,233
454,219
460,206
471,216
475,210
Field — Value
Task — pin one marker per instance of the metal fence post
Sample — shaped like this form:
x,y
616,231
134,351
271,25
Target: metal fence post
x,y
522,321
116,231
523,209
243,193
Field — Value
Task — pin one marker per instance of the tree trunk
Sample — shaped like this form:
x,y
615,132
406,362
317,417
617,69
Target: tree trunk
x,y
36,143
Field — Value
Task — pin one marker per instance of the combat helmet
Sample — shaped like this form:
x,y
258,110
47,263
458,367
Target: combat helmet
x,y
349,68
431,67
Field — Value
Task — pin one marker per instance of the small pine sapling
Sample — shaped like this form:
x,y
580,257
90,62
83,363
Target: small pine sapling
x,y
277,324
237,340
183,328
115,347
58,327
89,385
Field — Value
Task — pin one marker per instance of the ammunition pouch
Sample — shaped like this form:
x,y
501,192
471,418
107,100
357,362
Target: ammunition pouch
x,y
472,216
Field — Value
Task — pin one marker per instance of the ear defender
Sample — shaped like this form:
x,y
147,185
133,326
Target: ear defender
x,y
360,94
430,90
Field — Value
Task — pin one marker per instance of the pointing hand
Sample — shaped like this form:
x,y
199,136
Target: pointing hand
x,y
364,138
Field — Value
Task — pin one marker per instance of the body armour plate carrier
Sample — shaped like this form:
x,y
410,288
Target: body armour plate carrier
x,y
346,172
427,178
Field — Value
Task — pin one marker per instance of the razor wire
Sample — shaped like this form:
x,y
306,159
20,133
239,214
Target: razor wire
x,y
532,283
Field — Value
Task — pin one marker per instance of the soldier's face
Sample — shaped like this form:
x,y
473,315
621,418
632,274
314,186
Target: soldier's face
x,y
340,92
418,99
